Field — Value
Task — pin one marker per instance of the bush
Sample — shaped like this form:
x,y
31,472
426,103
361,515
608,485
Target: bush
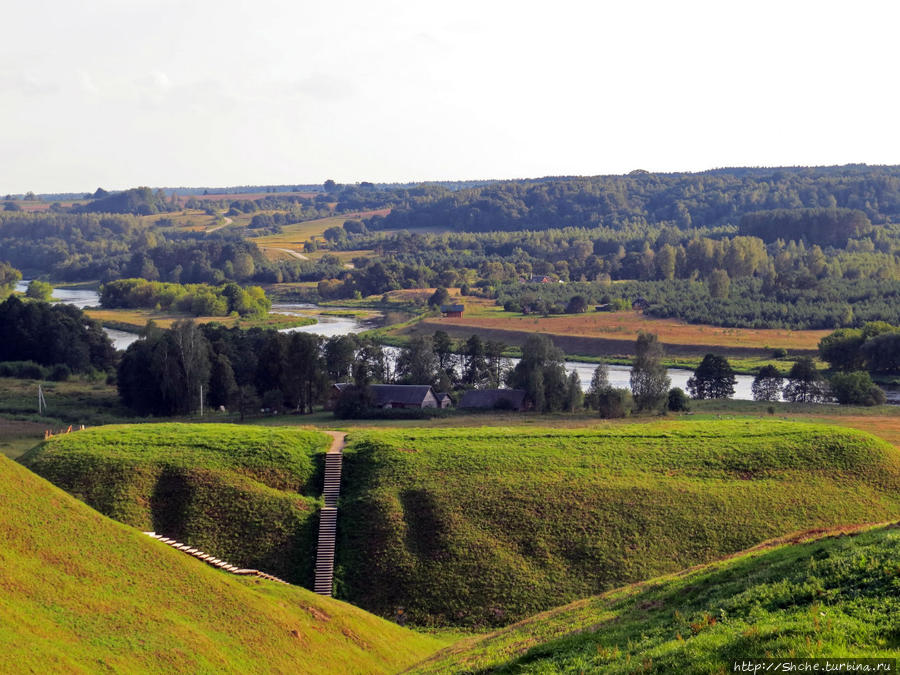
x,y
60,372
856,388
24,370
614,403
678,400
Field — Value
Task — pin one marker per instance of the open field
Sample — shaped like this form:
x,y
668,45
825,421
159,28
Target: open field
x,y
136,319
816,594
73,402
82,593
207,485
293,237
614,333
482,526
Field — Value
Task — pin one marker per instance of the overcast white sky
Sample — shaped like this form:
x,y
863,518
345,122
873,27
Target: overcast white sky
x,y
118,93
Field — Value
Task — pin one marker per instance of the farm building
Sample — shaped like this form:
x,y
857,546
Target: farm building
x,y
640,303
444,400
494,399
398,395
452,311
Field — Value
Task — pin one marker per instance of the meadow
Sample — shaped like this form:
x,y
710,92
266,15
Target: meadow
x,y
829,593
483,526
81,593
246,494
137,319
293,237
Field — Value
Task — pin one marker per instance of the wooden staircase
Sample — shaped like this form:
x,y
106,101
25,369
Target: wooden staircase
x,y
328,517
210,560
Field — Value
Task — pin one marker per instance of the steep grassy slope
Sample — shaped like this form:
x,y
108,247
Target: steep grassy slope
x,y
485,526
834,596
245,494
81,593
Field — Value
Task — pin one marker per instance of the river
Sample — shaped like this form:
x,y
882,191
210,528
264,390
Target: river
x,y
329,326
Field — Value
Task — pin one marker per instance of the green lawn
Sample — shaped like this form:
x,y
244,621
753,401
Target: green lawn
x,y
483,526
835,596
80,593
246,494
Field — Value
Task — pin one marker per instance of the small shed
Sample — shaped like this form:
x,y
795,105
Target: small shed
x,y
444,400
452,311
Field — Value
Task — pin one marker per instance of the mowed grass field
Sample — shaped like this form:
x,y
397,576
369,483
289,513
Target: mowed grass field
x,y
80,593
623,328
820,594
245,494
483,526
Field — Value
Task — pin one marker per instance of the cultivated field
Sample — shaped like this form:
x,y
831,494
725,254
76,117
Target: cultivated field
x,y
614,333
482,526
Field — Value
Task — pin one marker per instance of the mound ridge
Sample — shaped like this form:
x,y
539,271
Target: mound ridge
x,y
833,593
483,527
245,494
81,593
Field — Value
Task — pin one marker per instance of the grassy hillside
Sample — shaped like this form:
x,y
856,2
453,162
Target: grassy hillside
x,y
834,596
245,494
80,593
482,526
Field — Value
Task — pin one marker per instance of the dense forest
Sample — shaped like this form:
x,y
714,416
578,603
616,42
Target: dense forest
x,y
683,199
791,247
53,335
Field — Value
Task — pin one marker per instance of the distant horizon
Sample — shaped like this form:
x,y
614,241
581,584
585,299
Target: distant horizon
x,y
248,187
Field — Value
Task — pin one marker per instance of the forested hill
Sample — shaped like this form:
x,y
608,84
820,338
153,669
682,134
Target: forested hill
x,y
717,197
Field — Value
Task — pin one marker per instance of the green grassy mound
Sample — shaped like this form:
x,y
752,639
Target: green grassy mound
x,y
245,494
835,596
80,593
485,526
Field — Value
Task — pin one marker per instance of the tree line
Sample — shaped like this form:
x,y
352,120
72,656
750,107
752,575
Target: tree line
x,y
196,299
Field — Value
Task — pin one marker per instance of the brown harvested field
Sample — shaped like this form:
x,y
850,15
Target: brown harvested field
x,y
606,333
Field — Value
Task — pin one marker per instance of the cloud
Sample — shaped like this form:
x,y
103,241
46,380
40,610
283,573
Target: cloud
x,y
327,88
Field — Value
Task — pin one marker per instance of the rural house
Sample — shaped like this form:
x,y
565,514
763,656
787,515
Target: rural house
x,y
397,395
494,399
452,311
444,400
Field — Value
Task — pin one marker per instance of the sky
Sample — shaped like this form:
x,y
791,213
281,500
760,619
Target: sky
x,y
120,93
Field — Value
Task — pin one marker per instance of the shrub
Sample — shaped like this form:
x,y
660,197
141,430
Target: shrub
x,y
678,400
25,370
856,388
614,403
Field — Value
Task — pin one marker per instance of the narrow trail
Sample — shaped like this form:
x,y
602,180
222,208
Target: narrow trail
x,y
210,560
328,516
